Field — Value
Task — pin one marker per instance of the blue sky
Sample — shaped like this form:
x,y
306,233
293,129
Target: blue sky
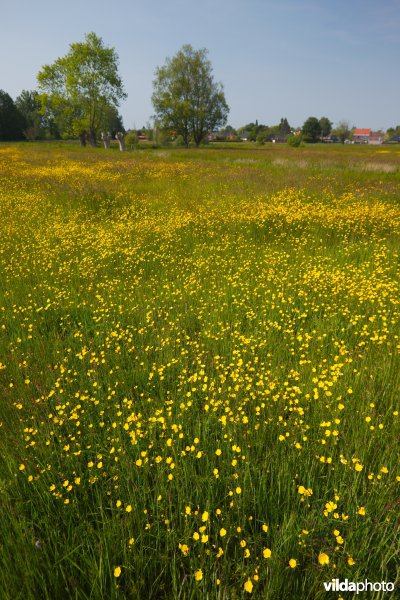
x,y
276,58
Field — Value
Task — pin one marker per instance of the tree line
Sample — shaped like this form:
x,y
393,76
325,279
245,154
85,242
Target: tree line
x,y
79,94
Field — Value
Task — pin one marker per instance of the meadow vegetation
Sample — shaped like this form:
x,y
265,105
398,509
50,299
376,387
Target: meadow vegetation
x,y
199,371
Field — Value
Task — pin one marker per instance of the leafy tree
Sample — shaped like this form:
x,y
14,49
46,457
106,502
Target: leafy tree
x,y
111,121
284,128
131,139
186,98
326,126
246,128
311,130
12,122
393,133
79,88
228,130
253,130
343,131
28,104
253,133
261,136
267,134
295,141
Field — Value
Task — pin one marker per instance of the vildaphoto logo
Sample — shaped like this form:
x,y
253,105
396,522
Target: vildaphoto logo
x,y
358,586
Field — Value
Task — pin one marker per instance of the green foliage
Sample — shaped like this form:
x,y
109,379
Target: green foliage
x,y
267,134
284,128
295,141
311,130
82,87
326,126
162,137
264,133
186,99
12,121
393,133
343,131
228,130
111,120
131,140
29,106
179,142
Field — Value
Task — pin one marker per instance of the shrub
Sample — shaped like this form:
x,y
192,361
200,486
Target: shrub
x,y
131,140
179,142
294,141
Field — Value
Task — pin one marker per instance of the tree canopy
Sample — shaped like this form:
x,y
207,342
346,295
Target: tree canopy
x,y
326,126
28,104
79,88
12,122
186,98
311,130
343,131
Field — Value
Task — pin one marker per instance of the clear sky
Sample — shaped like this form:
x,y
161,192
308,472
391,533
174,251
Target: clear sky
x,y
276,58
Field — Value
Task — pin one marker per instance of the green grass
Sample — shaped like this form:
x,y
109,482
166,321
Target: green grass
x,y
159,305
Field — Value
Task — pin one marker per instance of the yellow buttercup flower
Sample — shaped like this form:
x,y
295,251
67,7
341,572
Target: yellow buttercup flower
x,y
184,548
323,558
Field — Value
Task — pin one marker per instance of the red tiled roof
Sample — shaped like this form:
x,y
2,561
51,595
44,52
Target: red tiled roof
x,y
362,132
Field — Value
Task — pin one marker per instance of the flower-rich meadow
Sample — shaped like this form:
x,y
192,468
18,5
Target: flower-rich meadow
x,y
199,371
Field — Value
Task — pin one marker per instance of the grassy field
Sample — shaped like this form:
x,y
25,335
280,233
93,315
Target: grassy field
x,y
199,371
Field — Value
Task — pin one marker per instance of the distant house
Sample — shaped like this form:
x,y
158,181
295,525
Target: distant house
x,y
376,137
220,136
367,136
361,136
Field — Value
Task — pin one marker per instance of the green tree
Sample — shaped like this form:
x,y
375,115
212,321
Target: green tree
x,y
111,121
393,133
28,104
267,134
229,130
78,88
311,130
12,122
246,128
326,126
343,131
295,141
284,128
186,98
131,139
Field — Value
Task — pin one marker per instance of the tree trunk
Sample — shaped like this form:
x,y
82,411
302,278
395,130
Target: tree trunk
x,y
120,137
92,138
106,137
82,138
